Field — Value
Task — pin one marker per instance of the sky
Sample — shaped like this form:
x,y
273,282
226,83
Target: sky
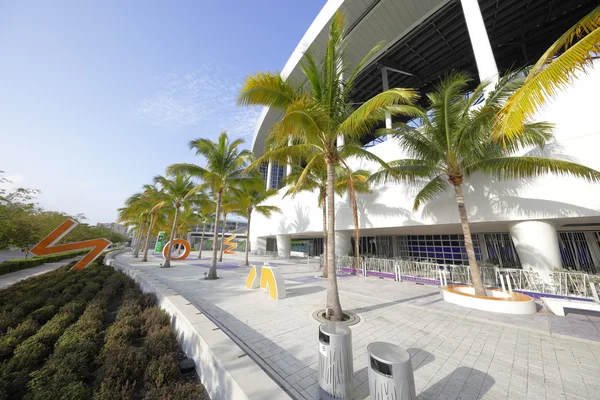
x,y
98,97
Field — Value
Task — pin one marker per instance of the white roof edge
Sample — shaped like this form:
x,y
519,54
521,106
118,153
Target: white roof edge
x,y
317,26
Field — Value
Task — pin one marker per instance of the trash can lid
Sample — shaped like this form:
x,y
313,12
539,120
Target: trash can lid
x,y
388,353
334,329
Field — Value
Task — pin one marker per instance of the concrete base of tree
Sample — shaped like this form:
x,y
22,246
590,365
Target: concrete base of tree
x,y
496,300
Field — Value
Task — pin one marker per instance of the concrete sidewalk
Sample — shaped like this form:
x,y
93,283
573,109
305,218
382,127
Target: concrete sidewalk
x,y
14,277
457,353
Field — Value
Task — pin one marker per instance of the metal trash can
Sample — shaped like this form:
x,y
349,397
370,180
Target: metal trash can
x,y
335,361
390,372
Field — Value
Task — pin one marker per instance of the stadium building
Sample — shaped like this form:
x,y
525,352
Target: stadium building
x,y
542,224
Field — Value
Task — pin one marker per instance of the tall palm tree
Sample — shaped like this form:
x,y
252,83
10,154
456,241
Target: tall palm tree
x,y
574,52
454,141
314,115
248,199
225,163
177,192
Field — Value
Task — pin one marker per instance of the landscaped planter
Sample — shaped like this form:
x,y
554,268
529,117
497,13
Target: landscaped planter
x,y
495,301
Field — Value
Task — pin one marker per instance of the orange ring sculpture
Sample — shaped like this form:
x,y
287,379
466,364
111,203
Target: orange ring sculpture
x,y
183,242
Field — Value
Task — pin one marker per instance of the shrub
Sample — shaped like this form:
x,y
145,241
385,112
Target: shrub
x,y
161,370
14,336
178,391
160,341
43,314
18,265
154,317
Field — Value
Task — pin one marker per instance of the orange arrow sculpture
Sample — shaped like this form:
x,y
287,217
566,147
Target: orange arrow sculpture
x,y
48,245
231,246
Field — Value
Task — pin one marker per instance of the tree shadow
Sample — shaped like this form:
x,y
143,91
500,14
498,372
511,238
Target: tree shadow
x,y
302,291
463,382
391,303
301,218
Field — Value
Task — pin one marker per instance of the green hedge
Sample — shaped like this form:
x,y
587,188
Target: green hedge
x,y
17,265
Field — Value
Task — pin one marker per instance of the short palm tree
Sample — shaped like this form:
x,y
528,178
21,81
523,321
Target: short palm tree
x,y
206,212
315,115
225,163
177,192
454,141
314,180
353,183
152,197
574,52
134,214
248,199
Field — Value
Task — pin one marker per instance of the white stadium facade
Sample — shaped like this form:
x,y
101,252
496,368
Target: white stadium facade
x,y
542,224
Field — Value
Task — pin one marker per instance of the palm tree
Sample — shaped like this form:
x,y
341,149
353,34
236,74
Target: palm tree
x,y
314,179
225,164
151,198
574,52
454,141
176,192
248,199
206,212
353,182
134,213
315,115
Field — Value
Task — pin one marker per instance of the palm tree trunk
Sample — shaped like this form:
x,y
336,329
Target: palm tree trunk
x,y
355,216
223,236
248,237
333,308
202,240
138,242
147,244
325,263
212,273
167,263
464,221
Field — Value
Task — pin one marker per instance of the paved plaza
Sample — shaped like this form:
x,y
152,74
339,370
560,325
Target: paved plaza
x,y
457,353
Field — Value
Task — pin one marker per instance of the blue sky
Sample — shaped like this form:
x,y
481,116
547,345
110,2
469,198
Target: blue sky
x,y
97,97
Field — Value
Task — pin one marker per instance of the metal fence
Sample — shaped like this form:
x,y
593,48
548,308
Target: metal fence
x,y
561,283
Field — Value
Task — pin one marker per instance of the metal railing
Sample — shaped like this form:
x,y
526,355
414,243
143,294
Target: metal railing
x,y
560,283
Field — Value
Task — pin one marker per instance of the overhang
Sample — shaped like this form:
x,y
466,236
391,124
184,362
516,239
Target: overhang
x,y
427,38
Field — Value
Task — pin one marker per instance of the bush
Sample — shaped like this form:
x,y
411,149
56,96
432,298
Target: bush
x,y
161,370
17,265
160,341
154,317
178,391
43,314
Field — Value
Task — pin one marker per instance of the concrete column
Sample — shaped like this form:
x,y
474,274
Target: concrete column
x,y
258,244
482,49
269,174
343,243
284,246
386,86
288,169
537,245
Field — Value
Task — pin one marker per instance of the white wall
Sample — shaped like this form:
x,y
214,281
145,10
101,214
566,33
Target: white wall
x,y
577,139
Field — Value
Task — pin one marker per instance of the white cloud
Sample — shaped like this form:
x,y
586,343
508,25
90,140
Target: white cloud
x,y
205,97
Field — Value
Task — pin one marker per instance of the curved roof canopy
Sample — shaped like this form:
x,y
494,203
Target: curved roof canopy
x,y
424,39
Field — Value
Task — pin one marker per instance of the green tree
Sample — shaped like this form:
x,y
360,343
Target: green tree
x,y
248,199
315,115
574,52
454,141
225,163
177,192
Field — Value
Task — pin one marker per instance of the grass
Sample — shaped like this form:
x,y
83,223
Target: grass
x,y
90,334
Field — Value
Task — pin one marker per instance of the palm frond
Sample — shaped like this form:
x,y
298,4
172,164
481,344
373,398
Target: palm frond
x,y
267,89
543,84
434,188
531,167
